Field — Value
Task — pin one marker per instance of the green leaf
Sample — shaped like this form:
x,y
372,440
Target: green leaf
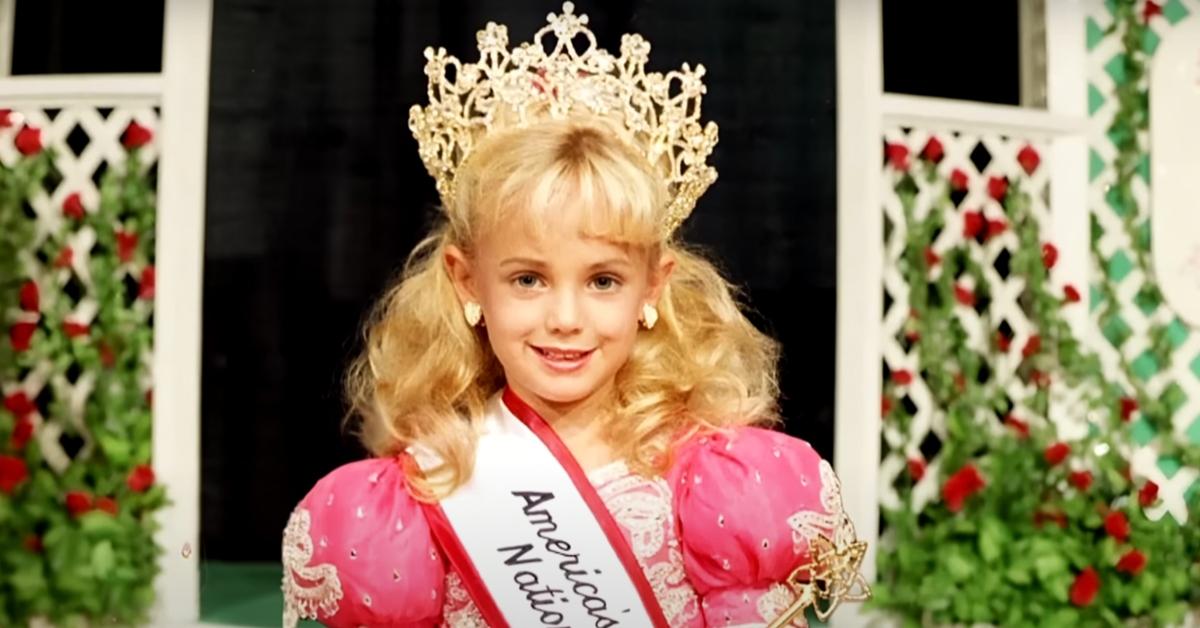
x,y
1018,573
100,523
102,558
1049,566
959,567
992,538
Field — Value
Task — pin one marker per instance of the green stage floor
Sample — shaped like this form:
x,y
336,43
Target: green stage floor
x,y
242,594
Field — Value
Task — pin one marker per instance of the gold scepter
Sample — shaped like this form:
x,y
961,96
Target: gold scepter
x,y
829,578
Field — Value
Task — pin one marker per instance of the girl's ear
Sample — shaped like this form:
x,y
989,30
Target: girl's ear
x,y
459,267
660,274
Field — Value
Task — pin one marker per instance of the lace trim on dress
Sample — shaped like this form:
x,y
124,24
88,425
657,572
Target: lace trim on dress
x,y
305,601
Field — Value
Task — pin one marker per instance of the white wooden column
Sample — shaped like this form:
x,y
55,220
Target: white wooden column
x,y
179,263
856,457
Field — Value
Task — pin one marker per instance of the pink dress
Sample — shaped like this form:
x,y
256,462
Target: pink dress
x,y
715,537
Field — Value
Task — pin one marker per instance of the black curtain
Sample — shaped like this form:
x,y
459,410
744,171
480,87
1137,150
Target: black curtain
x,y
315,196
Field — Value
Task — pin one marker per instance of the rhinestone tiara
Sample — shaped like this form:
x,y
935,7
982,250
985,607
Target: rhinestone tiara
x,y
514,88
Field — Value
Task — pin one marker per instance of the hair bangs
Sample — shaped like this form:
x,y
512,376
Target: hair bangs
x,y
567,178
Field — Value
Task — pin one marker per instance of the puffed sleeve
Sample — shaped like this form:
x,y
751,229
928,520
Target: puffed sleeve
x,y
357,551
750,503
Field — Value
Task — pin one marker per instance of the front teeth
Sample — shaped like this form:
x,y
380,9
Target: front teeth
x,y
559,355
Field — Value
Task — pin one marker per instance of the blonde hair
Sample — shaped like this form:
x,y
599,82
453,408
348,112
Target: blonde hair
x,y
425,376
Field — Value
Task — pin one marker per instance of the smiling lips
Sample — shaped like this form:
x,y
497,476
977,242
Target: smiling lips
x,y
563,360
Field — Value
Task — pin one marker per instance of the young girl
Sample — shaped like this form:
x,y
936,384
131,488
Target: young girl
x,y
559,396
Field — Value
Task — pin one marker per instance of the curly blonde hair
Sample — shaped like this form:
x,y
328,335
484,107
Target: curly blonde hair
x,y
424,376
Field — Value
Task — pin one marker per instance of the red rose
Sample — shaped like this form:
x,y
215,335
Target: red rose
x,y
78,502
995,227
1081,480
136,136
897,156
958,180
150,397
972,224
1032,346
75,330
1003,342
1029,159
916,468
140,478
997,188
1129,405
931,257
19,404
1017,425
73,207
1085,587
1117,525
20,334
902,378
964,296
126,245
1057,518
28,141
1132,563
886,406
65,258
913,336
1039,379
22,432
1070,294
960,382
964,483
1148,494
5,118
933,150
12,473
107,356
146,286
1150,10
1049,255
33,543
1056,453
107,504
29,297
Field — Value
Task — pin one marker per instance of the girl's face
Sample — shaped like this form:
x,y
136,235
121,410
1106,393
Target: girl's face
x,y
561,311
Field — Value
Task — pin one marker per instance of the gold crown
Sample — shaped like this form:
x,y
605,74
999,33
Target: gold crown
x,y
532,83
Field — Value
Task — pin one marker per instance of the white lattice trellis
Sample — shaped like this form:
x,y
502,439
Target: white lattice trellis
x,y
980,157
87,141
1126,336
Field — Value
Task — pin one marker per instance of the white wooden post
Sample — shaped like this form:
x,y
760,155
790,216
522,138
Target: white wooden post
x,y
180,263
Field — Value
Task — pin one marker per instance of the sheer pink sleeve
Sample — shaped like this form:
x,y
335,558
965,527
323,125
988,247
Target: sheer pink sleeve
x,y
358,552
749,503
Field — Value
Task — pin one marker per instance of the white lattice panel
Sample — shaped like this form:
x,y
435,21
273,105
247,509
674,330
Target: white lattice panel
x,y
86,141
980,157
1126,337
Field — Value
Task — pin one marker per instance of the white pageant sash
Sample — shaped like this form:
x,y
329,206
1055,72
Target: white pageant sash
x,y
530,532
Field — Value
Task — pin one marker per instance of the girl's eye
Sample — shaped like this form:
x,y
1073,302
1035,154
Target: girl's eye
x,y
527,281
606,282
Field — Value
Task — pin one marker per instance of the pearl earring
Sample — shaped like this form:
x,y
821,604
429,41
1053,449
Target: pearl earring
x,y
473,313
649,316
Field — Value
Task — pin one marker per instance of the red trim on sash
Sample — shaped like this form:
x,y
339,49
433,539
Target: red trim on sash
x,y
448,541
527,415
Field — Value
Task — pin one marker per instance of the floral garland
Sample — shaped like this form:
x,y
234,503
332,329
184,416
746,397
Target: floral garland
x,y
78,545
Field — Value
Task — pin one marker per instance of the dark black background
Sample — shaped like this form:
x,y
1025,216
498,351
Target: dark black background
x,y
315,192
